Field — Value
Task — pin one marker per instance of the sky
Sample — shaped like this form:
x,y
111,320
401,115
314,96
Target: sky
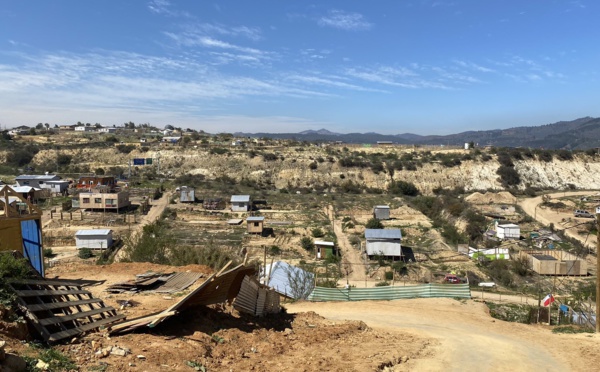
x,y
391,67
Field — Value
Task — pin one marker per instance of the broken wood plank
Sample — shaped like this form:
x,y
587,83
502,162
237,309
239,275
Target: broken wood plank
x,y
55,292
80,315
61,305
84,328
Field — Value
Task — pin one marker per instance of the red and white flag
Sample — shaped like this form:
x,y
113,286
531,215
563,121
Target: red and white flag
x,y
548,300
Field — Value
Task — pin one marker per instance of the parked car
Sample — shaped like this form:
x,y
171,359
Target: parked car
x,y
452,279
582,213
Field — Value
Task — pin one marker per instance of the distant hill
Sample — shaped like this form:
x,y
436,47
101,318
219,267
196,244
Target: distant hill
x,y
583,133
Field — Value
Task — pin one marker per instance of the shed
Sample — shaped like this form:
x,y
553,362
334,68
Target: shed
x,y
324,249
94,239
240,203
381,212
255,224
187,195
384,242
35,180
555,262
508,231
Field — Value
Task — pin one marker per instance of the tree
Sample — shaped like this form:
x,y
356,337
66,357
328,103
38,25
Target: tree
x,y
39,126
63,159
403,188
47,126
99,171
374,223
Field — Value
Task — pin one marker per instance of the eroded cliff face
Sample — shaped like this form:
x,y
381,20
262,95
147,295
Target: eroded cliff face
x,y
291,169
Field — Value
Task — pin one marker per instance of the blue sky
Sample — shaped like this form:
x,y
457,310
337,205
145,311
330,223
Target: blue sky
x,y
422,66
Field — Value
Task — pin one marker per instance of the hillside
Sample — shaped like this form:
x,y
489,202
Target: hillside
x,y
335,168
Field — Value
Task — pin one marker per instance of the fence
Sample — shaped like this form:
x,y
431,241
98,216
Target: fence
x,y
391,293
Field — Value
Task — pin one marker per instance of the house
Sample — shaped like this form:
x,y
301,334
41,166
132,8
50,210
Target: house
x,y
384,143
508,231
83,128
255,224
31,194
381,212
240,203
94,239
324,249
107,130
113,201
384,242
56,187
35,180
187,194
18,132
67,127
90,182
171,140
555,262
21,228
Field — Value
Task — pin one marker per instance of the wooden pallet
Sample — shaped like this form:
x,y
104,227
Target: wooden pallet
x,y
60,309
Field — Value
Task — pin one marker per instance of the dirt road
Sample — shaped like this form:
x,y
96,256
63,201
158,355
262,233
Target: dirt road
x,y
351,257
468,338
532,206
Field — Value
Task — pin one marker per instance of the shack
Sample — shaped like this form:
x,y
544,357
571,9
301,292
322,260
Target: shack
x,y
255,224
555,262
381,212
94,239
324,249
187,194
508,231
384,242
240,203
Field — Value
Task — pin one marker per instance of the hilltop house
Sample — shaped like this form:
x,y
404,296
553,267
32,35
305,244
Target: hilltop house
x,y
324,249
255,224
381,212
240,203
35,180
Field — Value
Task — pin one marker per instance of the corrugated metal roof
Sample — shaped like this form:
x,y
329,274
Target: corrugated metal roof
x,y
240,198
41,177
255,219
382,207
509,225
93,232
279,278
383,234
20,189
322,242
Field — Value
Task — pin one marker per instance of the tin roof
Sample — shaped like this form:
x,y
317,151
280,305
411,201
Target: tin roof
x,y
93,232
383,234
382,207
509,225
322,242
255,219
20,189
240,198
41,177
279,278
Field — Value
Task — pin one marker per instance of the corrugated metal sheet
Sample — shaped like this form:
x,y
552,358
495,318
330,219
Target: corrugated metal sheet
x,y
246,298
96,232
279,278
255,219
187,195
260,302
383,234
240,198
391,293
178,282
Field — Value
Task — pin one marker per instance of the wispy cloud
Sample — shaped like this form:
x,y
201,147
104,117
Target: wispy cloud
x,y
396,76
473,66
252,33
345,21
164,7
330,81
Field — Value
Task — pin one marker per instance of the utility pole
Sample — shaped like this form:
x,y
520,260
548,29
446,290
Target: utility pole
x,y
597,272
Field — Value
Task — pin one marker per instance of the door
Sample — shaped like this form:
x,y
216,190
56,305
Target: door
x,y
32,244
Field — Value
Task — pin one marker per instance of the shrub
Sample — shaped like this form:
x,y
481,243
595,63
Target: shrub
x,y
389,275
382,284
125,149
317,233
508,176
374,223
85,253
313,165
403,188
268,156
545,155
218,151
307,243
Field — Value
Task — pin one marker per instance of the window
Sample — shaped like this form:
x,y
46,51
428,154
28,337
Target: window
x,y
86,200
256,224
111,202
98,200
25,182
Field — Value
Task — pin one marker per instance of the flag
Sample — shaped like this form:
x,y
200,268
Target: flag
x,y
548,300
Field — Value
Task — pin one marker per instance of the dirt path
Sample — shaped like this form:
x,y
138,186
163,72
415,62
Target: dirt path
x,y
469,339
532,206
351,257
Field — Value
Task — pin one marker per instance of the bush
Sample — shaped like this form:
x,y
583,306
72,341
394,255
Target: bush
x,y
374,223
545,155
63,160
85,253
403,188
389,275
317,233
307,243
125,149
508,176
382,284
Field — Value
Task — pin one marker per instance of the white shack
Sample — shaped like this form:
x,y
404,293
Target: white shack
x,y
384,242
94,239
240,203
508,231
381,212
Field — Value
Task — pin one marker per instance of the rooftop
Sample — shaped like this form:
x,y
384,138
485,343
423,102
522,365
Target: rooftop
x,y
255,219
383,234
240,198
93,232
41,177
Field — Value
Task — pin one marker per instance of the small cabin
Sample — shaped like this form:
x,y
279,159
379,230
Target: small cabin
x,y
187,194
240,203
324,249
508,231
255,224
381,212
384,242
94,239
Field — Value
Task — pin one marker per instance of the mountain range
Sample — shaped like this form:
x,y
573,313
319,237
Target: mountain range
x,y
578,134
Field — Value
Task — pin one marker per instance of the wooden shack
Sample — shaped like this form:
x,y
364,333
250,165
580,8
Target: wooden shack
x,y
255,225
555,262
